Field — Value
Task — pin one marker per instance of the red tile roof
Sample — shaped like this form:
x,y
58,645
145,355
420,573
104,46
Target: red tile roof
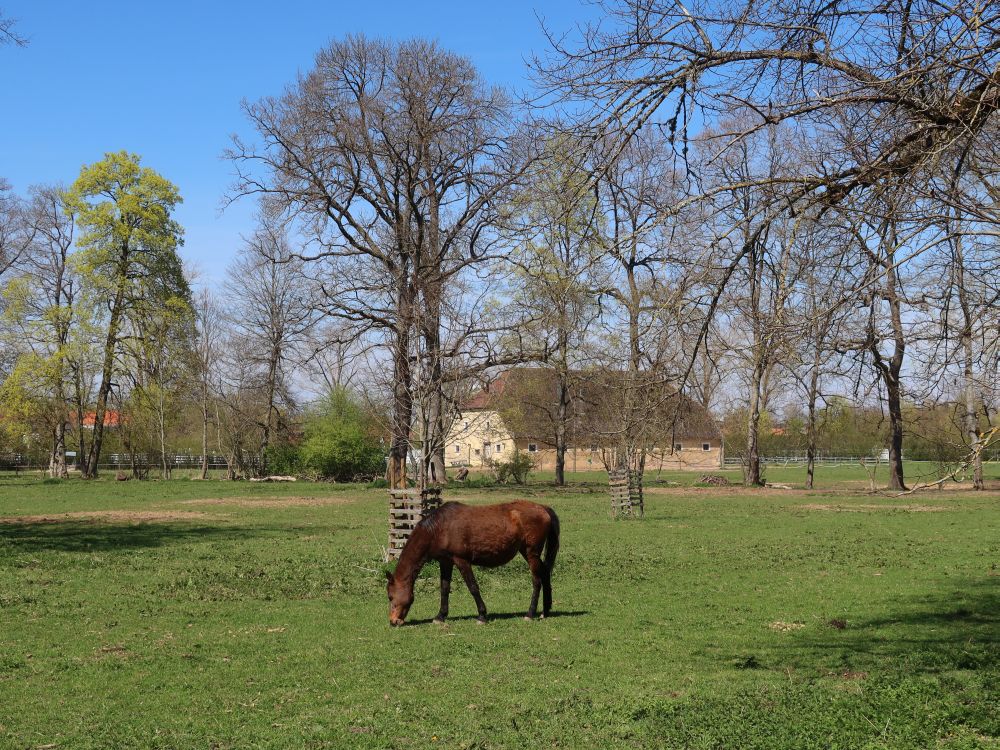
x,y
484,398
112,418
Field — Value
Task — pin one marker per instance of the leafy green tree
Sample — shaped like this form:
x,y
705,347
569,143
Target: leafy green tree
x,y
127,257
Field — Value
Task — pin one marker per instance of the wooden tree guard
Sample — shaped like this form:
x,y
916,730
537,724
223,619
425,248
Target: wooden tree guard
x,y
406,508
626,493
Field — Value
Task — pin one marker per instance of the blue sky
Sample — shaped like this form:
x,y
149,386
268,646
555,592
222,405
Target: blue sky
x,y
165,80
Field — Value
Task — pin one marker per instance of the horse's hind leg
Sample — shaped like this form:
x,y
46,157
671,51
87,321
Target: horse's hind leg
x,y
446,567
539,578
470,581
546,590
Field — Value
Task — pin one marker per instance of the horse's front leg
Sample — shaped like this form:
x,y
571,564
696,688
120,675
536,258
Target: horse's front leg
x,y
446,568
470,581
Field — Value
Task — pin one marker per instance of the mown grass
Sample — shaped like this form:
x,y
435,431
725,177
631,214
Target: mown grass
x,y
724,619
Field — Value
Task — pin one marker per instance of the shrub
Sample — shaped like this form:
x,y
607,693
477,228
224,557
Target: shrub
x,y
284,458
341,452
341,441
515,470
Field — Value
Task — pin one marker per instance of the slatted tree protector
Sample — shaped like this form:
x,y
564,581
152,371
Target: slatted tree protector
x,y
406,508
626,493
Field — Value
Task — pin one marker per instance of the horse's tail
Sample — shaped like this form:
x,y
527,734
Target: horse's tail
x,y
552,541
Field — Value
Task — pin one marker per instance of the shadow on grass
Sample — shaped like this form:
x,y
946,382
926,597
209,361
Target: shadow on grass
x,y
954,630
90,536
504,616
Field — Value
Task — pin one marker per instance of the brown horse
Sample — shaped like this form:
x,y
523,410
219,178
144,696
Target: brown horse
x,y
487,535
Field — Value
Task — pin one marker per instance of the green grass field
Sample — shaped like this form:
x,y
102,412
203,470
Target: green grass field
x,y
192,614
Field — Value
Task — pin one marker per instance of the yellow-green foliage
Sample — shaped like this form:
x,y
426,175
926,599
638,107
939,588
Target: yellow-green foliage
x,y
128,241
117,201
26,403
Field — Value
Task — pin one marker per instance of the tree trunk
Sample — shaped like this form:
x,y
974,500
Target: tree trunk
x,y
433,396
161,418
402,384
561,417
110,345
204,430
57,464
562,410
970,420
812,397
893,371
811,443
272,388
894,402
753,475
81,453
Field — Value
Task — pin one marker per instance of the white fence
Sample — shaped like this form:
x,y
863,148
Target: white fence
x,y
802,460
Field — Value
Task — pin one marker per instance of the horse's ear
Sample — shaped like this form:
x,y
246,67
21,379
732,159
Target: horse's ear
x,y
388,576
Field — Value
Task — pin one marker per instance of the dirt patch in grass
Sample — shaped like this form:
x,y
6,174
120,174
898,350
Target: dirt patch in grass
x,y
861,508
269,502
126,516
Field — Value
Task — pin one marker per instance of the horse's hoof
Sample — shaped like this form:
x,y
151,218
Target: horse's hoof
x,y
541,616
480,621
439,621
528,618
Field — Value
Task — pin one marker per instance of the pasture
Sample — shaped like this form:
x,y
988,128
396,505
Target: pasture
x,y
189,614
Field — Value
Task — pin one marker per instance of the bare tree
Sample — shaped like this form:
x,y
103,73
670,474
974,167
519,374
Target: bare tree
x,y
9,33
765,248
271,310
39,299
16,229
825,289
921,76
905,90
207,343
561,242
881,245
388,158
56,286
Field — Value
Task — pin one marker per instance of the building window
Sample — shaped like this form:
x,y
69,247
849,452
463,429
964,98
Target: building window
x,y
593,449
678,447
487,424
499,447
466,423
477,451
532,447
458,449
706,447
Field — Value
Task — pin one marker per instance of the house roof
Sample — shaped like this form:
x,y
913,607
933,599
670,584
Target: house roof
x,y
112,418
527,399
485,398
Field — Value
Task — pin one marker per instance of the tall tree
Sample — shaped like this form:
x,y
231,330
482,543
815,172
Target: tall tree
x,y
562,238
272,307
127,256
390,156
207,342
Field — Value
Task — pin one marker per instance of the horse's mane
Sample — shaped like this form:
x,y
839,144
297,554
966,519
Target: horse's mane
x,y
431,521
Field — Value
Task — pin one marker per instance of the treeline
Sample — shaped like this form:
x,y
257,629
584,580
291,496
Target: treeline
x,y
767,207
845,430
108,350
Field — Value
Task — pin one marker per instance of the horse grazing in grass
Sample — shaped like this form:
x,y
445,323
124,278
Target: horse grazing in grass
x,y
486,535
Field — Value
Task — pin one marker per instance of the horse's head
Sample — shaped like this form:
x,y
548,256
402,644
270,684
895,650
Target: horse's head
x,y
400,599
